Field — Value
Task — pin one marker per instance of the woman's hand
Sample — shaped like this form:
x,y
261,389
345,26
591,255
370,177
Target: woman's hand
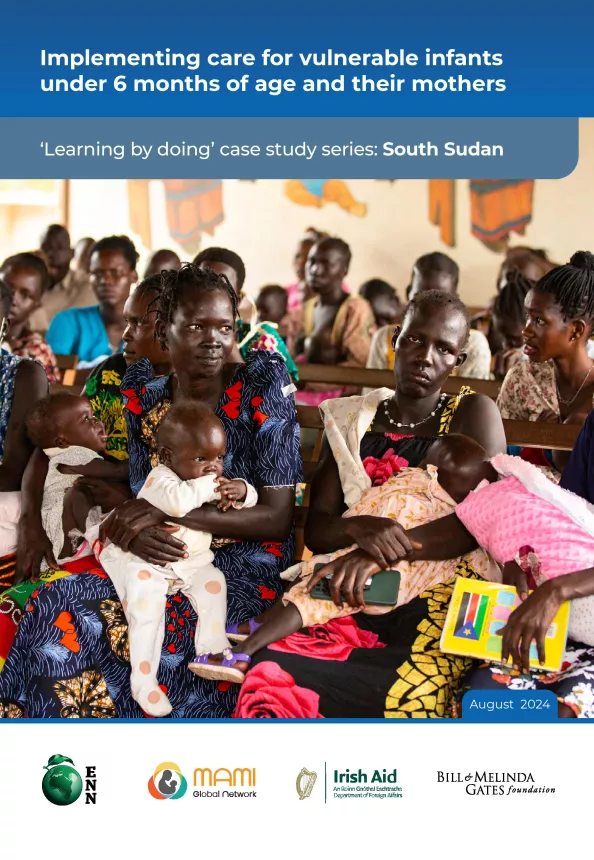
x,y
106,494
33,547
349,574
97,468
514,575
130,519
381,538
531,621
548,417
158,546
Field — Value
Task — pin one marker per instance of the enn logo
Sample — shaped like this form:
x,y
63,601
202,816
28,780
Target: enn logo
x,y
381,776
240,776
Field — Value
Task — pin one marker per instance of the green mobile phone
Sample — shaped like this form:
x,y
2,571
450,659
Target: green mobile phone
x,y
380,590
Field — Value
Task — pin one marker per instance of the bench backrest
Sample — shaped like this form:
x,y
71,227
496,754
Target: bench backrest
x,y
368,378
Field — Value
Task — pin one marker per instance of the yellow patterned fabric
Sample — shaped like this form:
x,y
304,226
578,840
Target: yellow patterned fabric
x,y
448,411
428,681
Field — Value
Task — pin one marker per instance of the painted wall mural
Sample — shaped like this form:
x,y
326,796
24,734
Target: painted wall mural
x,y
498,208
319,192
193,207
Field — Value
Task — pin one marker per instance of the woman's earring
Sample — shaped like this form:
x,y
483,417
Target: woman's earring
x,y
3,330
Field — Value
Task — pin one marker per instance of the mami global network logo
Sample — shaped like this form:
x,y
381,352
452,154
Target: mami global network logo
x,y
167,782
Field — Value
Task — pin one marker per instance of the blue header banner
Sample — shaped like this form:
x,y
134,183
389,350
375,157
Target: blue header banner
x,y
266,148
380,58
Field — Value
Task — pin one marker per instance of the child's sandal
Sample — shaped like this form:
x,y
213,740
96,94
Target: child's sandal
x,y
225,671
233,630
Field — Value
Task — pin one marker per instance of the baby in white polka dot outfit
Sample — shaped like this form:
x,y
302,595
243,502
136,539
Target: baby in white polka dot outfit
x,y
192,443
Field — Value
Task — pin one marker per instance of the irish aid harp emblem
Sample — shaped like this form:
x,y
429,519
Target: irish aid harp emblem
x,y
305,783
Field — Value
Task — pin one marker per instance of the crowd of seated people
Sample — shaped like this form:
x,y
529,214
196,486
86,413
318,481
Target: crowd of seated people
x,y
188,342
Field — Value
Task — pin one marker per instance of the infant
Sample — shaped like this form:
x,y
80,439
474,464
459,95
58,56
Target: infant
x,y
527,520
454,466
191,448
65,428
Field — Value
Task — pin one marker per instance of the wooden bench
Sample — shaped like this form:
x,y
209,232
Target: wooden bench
x,y
368,378
67,367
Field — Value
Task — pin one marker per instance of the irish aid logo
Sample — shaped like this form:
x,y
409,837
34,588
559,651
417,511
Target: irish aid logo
x,y
167,782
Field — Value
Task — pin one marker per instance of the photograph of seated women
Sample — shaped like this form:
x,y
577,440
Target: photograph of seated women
x,y
213,451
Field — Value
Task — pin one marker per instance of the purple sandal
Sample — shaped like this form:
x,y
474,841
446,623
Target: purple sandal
x,y
225,671
235,636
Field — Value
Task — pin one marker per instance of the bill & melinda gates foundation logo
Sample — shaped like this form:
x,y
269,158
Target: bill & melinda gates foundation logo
x,y
495,783
62,784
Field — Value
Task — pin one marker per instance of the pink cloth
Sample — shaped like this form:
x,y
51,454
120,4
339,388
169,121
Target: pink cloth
x,y
505,517
293,300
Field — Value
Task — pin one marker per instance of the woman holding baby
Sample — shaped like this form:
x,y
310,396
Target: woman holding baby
x,y
390,664
84,672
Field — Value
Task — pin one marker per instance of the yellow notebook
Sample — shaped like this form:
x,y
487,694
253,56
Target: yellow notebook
x,y
477,614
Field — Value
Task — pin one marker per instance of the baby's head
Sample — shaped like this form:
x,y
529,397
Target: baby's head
x,y
61,420
192,441
461,464
272,303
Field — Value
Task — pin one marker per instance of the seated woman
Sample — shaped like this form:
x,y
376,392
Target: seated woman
x,y
340,673
434,271
298,293
22,384
86,674
384,300
103,387
556,384
508,321
250,333
93,333
573,685
27,277
532,263
337,327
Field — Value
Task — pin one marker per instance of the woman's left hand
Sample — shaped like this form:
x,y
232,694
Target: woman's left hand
x,y
529,621
129,519
349,574
106,494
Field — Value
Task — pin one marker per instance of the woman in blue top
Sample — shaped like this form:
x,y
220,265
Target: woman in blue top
x,y
94,333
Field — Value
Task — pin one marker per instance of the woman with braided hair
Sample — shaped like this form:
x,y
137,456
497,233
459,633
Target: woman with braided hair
x,y
84,670
556,384
508,321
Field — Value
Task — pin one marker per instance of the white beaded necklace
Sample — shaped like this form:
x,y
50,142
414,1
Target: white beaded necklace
x,y
422,421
